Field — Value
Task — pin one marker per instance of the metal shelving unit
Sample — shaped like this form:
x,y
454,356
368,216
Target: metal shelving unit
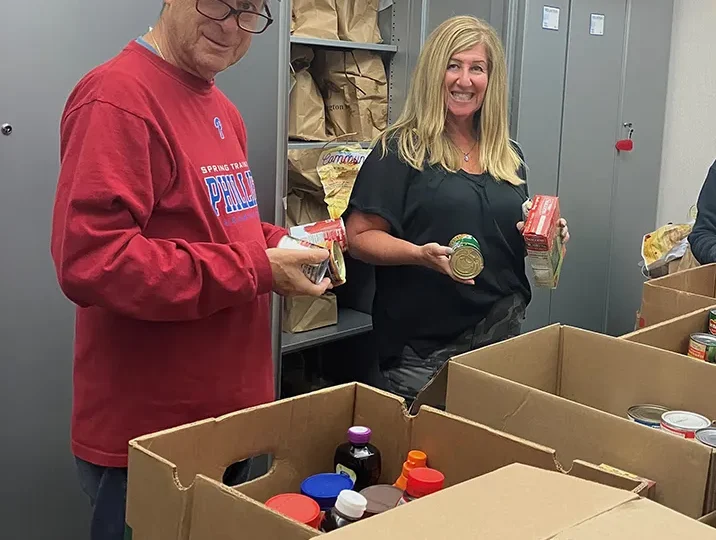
x,y
344,45
350,323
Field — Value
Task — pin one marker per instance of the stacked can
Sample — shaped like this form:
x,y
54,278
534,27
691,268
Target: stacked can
x,y
712,322
466,260
703,347
334,267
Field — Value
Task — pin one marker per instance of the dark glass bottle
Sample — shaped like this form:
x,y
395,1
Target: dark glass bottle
x,y
358,458
350,507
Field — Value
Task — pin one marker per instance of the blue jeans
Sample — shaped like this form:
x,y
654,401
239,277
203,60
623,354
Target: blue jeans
x,y
106,488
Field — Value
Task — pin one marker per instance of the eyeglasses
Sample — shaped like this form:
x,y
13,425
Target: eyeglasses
x,y
247,18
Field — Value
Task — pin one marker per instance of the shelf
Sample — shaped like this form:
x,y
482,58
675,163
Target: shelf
x,y
350,323
344,45
304,145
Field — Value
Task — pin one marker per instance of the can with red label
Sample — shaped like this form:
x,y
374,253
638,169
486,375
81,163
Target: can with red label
x,y
703,347
322,232
314,272
683,423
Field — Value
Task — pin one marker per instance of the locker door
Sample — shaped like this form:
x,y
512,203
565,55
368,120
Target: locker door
x,y
590,126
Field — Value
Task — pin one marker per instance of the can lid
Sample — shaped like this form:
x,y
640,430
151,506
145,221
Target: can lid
x,y
298,507
351,504
359,434
424,481
704,339
685,420
707,436
325,485
647,413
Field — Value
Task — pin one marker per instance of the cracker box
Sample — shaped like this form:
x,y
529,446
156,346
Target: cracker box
x,y
545,250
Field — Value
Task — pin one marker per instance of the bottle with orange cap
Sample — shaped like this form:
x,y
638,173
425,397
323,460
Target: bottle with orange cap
x,y
416,459
422,481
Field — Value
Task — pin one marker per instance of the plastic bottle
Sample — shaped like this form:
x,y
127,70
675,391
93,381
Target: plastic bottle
x,y
416,459
349,508
358,459
422,481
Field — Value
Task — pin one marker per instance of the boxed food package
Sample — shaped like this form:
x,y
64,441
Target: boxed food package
x,y
545,250
572,390
172,471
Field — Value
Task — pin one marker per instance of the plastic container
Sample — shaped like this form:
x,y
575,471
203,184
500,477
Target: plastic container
x,y
297,507
358,459
380,498
324,488
350,507
422,481
416,459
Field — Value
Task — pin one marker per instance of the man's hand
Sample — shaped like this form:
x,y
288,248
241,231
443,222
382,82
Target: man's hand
x,y
288,277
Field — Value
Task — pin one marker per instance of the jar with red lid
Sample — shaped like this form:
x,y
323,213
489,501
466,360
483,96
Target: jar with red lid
x,y
422,481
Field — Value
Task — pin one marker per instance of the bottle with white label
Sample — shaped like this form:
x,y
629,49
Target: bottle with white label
x,y
358,459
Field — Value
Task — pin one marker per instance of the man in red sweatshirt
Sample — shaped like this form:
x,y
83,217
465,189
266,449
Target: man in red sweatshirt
x,y
156,237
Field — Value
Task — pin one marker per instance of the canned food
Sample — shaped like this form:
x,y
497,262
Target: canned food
x,y
322,232
466,261
683,423
703,347
314,272
647,415
712,322
336,264
707,436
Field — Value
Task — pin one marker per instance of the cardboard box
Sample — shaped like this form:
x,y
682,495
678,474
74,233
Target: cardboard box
x,y
673,335
523,503
677,294
170,470
570,389
303,313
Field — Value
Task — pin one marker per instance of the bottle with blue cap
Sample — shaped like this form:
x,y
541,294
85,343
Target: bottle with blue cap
x,y
350,507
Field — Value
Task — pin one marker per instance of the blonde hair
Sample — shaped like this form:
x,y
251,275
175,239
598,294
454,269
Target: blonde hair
x,y
420,129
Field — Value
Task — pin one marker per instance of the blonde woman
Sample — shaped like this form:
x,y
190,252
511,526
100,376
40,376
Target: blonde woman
x,y
446,167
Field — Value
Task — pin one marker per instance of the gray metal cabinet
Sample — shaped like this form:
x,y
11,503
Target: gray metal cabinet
x,y
577,84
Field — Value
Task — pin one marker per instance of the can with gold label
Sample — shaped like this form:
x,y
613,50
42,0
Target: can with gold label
x,y
466,260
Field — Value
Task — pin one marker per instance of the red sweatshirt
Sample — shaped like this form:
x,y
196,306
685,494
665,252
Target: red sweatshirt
x,y
156,236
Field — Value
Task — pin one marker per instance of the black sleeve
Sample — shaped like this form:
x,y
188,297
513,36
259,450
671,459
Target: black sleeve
x,y
703,237
381,186
522,171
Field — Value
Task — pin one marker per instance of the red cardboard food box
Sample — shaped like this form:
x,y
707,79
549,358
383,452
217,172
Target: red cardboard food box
x,y
545,250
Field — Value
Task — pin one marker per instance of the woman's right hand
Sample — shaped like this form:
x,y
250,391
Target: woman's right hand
x,y
437,257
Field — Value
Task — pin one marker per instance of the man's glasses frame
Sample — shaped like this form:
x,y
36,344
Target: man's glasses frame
x,y
232,12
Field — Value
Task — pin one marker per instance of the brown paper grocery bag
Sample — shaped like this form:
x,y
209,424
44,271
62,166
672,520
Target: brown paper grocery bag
x,y
303,207
303,313
307,113
302,173
358,20
355,90
315,18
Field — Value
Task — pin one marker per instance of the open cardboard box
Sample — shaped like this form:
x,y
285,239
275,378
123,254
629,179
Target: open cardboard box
x,y
673,335
570,389
514,502
519,502
677,294
170,470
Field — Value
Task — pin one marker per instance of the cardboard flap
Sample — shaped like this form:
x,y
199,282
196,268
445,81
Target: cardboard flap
x,y
659,304
481,449
588,471
217,504
634,374
576,431
700,281
638,519
512,503
531,359
672,335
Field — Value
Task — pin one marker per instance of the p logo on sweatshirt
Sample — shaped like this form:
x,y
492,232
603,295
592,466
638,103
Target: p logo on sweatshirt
x,y
219,127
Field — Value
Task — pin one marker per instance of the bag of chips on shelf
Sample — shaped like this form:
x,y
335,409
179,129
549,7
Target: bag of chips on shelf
x,y
338,168
355,91
358,20
315,18
307,113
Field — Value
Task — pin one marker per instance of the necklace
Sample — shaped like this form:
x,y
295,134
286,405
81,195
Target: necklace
x,y
156,46
466,155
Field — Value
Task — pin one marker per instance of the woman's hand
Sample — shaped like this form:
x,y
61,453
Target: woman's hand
x,y
437,257
562,223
